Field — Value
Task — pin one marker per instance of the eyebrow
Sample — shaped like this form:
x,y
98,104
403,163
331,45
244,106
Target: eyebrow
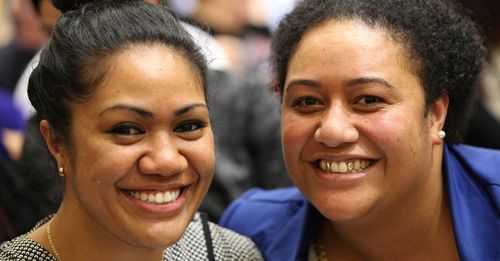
x,y
349,83
366,80
138,110
189,107
148,114
293,83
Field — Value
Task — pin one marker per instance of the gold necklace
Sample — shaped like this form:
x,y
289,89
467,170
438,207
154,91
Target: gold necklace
x,y
52,246
319,249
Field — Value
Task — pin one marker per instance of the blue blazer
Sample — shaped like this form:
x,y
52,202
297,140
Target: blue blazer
x,y
282,222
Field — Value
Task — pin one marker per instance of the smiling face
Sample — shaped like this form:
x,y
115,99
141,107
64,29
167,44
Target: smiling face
x,y
356,136
142,152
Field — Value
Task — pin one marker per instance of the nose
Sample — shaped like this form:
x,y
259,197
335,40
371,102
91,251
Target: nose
x,y
163,157
336,127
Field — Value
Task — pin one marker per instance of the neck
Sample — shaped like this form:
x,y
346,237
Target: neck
x,y
79,237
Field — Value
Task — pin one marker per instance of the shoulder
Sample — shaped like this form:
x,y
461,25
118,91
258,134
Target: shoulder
x,y
485,153
23,248
473,183
482,163
267,216
229,245
261,204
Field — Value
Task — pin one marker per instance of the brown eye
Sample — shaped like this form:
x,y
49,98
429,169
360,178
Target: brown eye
x,y
190,126
369,103
126,129
306,101
368,100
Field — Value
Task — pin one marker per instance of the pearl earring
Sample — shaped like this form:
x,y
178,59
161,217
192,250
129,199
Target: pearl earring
x,y
441,134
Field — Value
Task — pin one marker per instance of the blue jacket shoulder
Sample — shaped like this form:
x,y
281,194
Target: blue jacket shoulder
x,y
257,205
269,218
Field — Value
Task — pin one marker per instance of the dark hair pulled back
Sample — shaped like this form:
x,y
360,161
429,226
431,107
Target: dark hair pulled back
x,y
445,48
73,62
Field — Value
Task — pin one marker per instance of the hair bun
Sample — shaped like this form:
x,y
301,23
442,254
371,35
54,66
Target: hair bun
x,y
69,5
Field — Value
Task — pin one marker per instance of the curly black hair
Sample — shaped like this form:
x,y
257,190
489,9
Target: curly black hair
x,y
444,46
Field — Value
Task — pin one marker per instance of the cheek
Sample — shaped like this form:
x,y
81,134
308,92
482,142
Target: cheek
x,y
394,129
297,133
399,137
294,134
202,157
100,162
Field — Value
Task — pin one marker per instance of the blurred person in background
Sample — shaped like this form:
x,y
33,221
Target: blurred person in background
x,y
484,127
241,27
25,181
225,20
48,16
33,21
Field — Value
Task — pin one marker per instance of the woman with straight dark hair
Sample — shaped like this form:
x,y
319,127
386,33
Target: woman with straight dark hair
x,y
120,95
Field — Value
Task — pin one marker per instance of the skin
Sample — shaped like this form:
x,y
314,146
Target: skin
x,y
146,128
225,16
354,94
49,15
30,31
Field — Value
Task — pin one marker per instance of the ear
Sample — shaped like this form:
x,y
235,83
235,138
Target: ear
x,y
437,115
54,146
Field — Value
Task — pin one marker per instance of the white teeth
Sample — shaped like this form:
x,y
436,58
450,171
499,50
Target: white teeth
x,y
334,167
156,197
159,198
322,165
344,166
357,165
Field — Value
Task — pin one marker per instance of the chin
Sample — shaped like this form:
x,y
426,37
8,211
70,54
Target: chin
x,y
159,236
345,213
158,240
340,218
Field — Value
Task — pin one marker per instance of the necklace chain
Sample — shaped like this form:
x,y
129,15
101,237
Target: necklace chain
x,y
319,249
52,246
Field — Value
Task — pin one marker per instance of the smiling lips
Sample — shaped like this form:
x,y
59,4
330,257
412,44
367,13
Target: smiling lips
x,y
352,166
156,197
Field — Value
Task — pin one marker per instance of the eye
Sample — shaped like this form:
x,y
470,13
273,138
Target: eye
x,y
305,101
369,103
190,126
306,104
126,130
368,100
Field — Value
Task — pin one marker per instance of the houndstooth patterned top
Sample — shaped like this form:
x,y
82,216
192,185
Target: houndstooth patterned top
x,y
195,244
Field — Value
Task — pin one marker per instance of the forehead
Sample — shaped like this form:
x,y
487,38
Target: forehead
x,y
147,75
348,46
348,35
336,54
154,67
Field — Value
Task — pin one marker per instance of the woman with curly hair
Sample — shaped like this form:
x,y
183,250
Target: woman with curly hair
x,y
374,98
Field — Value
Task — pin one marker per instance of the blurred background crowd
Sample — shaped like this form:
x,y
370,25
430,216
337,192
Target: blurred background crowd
x,y
244,109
